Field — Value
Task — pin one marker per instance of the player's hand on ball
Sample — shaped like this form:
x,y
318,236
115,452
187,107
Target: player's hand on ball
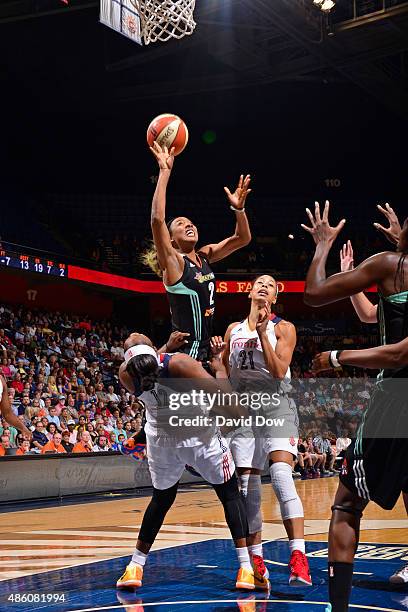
x,y
238,198
165,159
321,230
217,345
321,362
176,340
346,257
263,319
394,230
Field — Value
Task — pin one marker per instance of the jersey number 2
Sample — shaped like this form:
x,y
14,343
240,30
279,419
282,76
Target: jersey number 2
x,y
211,288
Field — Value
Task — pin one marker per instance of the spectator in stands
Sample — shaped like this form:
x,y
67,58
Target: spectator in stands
x,y
54,445
51,429
72,431
101,444
117,352
84,445
52,417
39,437
5,369
24,447
65,441
5,445
323,445
71,408
17,384
90,428
11,431
119,431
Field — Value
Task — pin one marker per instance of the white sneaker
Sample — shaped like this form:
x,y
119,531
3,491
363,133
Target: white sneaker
x,y
400,577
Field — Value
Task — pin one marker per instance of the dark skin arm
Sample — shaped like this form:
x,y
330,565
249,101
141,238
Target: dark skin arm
x,y
320,290
8,414
389,356
242,235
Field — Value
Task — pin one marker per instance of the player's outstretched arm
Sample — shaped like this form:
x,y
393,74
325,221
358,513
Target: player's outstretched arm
x,y
242,234
365,310
319,289
169,260
8,414
388,356
177,339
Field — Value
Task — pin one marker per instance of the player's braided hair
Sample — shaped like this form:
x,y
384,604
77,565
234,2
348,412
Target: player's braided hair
x,y
144,370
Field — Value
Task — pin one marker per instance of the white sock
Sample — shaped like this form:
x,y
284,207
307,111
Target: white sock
x,y
256,549
138,558
243,557
297,545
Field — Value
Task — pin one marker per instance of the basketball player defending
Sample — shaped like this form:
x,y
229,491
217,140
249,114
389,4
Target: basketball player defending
x,y
257,353
186,273
367,313
206,451
375,468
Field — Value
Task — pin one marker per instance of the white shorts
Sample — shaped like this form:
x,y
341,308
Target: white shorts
x,y
212,460
250,452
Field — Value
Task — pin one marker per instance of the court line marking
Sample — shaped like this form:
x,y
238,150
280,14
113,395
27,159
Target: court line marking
x,y
219,601
210,566
275,562
354,573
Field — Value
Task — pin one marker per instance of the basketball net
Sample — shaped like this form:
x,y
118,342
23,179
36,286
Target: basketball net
x,y
165,19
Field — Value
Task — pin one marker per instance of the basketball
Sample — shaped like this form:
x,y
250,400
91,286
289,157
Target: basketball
x,y
169,131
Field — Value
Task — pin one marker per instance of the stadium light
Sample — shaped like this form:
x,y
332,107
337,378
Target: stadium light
x,y
325,5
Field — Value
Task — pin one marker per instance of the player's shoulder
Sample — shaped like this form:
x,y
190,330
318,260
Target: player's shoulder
x,y
283,327
237,326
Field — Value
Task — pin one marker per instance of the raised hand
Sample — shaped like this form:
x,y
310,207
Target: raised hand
x,y
263,318
393,231
346,257
165,159
217,345
238,198
176,340
321,230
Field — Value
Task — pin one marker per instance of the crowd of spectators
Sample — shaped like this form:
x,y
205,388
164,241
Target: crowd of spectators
x,y
62,378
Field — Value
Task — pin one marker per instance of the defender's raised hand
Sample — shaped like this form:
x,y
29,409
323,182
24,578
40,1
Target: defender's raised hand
x,y
346,257
393,231
321,230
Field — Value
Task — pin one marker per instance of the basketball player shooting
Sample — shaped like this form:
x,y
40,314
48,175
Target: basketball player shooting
x,y
186,272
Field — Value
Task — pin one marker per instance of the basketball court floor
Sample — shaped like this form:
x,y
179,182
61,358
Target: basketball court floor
x,y
63,556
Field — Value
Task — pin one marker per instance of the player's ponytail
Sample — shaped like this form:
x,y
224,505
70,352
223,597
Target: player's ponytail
x,y
149,258
144,370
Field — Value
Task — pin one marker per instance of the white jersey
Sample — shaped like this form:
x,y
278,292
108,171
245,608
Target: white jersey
x,y
247,362
157,428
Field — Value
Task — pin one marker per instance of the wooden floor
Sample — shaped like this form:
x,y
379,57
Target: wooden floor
x,y
40,540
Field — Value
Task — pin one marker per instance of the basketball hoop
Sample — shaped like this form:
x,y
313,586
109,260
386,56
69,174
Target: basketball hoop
x,y
161,20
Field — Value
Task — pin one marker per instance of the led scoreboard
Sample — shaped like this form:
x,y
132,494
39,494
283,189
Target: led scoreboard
x,y
32,263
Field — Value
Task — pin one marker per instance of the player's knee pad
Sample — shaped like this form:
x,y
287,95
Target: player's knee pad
x,y
251,491
285,490
234,507
155,513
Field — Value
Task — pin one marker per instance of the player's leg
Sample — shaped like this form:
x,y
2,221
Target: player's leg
x,y
166,468
343,542
215,463
251,490
291,507
401,576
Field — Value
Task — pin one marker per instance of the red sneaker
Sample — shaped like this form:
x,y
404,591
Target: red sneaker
x,y
259,566
299,569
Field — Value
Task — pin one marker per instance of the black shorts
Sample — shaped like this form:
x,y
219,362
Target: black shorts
x,y
375,466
